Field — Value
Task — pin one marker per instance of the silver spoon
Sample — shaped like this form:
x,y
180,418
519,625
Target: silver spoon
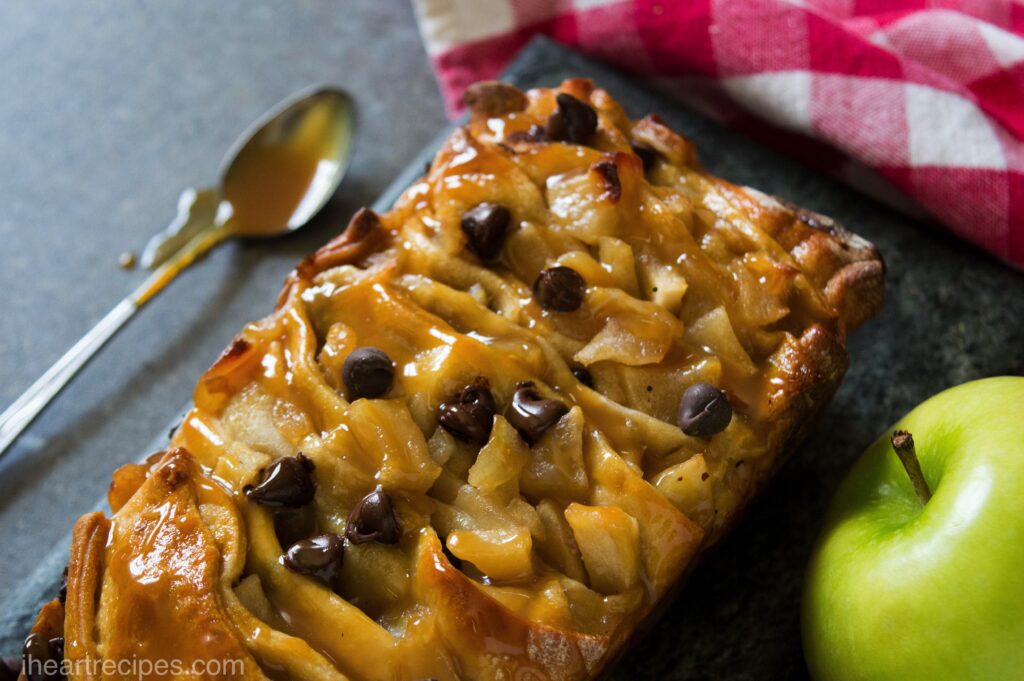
x,y
276,177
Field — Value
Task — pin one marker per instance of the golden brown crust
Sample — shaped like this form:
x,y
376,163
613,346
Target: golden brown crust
x,y
364,231
145,585
84,578
856,272
538,557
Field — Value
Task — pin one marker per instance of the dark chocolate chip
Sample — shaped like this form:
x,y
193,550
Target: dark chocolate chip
x,y
367,372
10,668
287,482
531,414
534,133
574,122
319,556
57,647
62,594
485,226
39,660
373,519
35,647
470,415
609,174
648,156
704,410
560,289
582,375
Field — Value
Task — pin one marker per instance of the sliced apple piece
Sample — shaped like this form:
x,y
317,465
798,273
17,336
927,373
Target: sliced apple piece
x,y
591,270
668,539
497,467
580,206
502,555
714,331
385,429
609,540
662,284
688,486
558,546
635,332
617,259
556,465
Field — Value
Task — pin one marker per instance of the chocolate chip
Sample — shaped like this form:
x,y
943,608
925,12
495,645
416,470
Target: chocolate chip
x,y
470,415
39,660
485,226
319,556
367,372
531,414
62,595
575,121
648,156
287,482
35,647
582,375
704,410
534,133
609,174
373,519
560,289
57,647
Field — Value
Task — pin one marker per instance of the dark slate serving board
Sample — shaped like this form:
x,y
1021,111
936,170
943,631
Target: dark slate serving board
x,y
953,314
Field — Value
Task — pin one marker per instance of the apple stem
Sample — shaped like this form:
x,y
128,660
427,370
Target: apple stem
x,y
903,443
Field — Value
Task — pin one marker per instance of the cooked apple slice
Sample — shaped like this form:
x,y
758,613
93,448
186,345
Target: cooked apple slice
x,y
714,331
609,540
502,555
497,467
688,486
556,463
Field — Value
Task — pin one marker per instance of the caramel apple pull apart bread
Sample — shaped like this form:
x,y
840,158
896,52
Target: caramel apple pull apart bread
x,y
484,434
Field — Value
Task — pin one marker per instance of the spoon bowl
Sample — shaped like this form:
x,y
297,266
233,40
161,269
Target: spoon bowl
x,y
287,165
276,176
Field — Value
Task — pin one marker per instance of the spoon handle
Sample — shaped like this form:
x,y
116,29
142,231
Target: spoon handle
x,y
25,409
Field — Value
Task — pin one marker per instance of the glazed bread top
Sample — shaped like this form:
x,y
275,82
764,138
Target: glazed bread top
x,y
482,434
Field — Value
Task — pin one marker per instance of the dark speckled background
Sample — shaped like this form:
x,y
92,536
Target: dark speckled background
x,y
953,314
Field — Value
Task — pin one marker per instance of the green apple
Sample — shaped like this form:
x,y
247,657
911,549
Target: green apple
x,y
901,589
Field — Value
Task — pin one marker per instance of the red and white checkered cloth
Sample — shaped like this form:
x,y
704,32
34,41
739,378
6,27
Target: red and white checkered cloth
x,y
927,94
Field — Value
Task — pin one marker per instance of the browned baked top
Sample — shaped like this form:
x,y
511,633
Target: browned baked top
x,y
483,434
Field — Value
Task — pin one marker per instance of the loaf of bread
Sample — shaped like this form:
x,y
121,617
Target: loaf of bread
x,y
483,435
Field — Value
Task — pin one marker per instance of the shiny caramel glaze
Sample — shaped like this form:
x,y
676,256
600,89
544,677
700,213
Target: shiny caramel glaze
x,y
515,561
